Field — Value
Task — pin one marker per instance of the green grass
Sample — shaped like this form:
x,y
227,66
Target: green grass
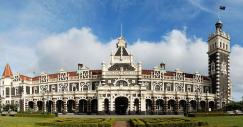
x,y
222,121
8,121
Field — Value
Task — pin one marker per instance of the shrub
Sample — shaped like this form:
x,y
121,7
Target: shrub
x,y
206,114
166,122
76,122
35,115
137,123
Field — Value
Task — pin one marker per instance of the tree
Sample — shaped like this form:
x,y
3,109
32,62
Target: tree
x,y
234,106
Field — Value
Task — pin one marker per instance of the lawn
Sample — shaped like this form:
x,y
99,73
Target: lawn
x,y
8,121
217,121
222,121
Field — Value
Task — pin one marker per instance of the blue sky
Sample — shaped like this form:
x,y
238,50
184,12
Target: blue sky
x,y
41,35
141,19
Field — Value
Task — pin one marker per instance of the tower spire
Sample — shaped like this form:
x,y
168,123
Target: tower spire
x,y
121,30
7,72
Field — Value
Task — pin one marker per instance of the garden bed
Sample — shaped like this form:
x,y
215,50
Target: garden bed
x,y
77,122
165,122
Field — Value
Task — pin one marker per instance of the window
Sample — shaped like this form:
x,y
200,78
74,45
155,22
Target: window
x,y
94,85
212,68
121,83
189,88
179,89
169,87
148,85
85,88
157,88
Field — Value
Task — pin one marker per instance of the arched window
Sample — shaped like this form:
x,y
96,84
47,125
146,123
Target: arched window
x,y
121,83
85,88
157,88
179,89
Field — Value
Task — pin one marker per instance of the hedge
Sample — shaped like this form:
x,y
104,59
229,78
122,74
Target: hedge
x,y
76,122
206,114
137,123
35,115
165,122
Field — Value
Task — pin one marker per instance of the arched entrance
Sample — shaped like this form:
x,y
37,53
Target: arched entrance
x,y
159,106
211,105
193,105
71,106
148,106
49,105
40,105
82,106
136,106
121,105
106,106
31,105
94,104
171,106
182,105
203,106
60,106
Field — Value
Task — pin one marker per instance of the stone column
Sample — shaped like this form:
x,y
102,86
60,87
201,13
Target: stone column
x,y
35,105
131,105
54,105
65,105
89,106
188,105
100,105
44,105
165,107
207,107
26,106
143,104
177,105
112,109
76,104
153,105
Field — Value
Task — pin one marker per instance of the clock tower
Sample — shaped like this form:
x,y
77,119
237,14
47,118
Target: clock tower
x,y
219,65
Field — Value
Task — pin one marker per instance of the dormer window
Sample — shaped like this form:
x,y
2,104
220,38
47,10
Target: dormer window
x,y
16,78
62,76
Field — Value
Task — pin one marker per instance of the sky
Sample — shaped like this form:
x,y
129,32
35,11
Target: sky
x,y
46,35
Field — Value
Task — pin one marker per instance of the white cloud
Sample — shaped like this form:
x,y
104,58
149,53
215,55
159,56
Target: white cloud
x,y
175,50
70,48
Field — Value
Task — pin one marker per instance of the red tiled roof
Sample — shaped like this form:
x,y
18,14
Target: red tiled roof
x,y
7,72
35,78
96,72
205,78
73,73
169,73
187,75
50,76
25,78
147,72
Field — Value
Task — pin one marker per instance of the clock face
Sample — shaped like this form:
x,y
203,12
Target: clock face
x,y
223,68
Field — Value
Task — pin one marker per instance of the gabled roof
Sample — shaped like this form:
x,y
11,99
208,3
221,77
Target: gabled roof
x,y
121,52
7,72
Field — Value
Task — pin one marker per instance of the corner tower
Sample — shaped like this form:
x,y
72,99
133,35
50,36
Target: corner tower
x,y
219,65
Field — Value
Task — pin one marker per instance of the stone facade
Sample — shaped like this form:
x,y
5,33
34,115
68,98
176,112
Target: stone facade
x,y
121,87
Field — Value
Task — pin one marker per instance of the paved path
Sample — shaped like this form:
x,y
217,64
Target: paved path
x,y
121,124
